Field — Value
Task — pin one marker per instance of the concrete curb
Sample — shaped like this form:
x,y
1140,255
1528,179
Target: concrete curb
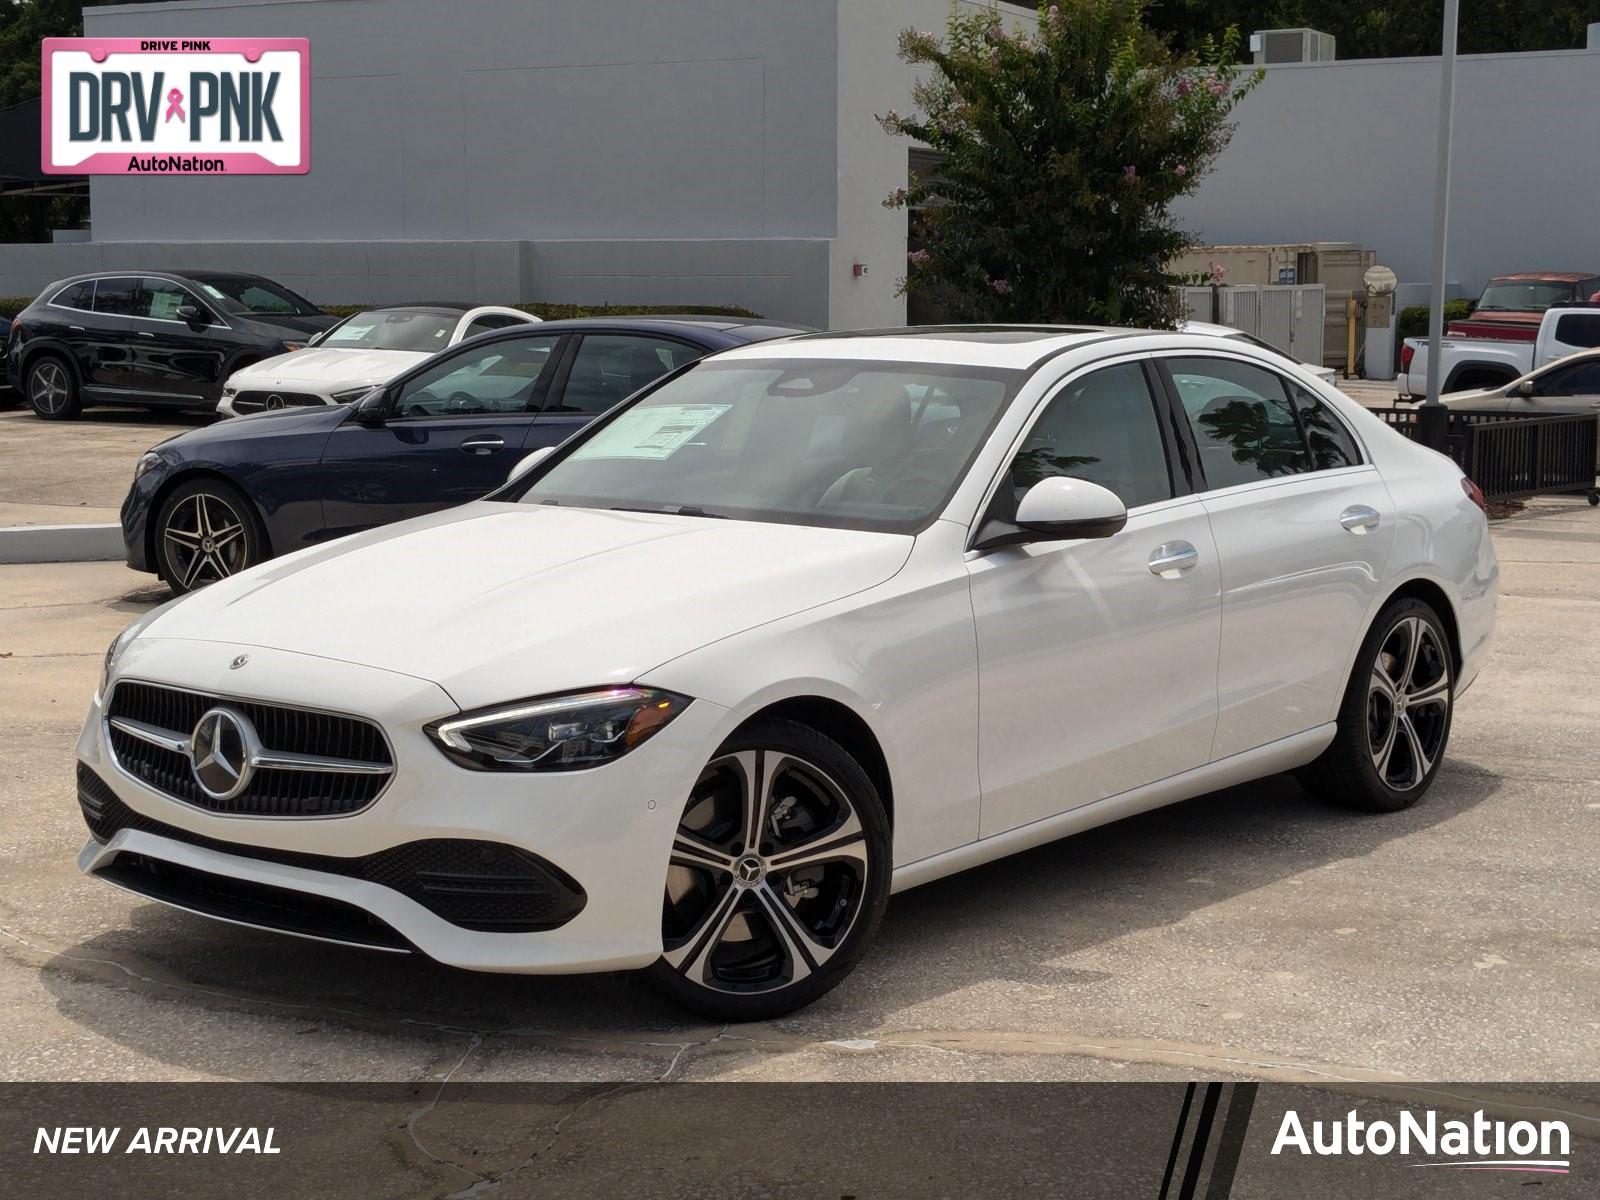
x,y
61,543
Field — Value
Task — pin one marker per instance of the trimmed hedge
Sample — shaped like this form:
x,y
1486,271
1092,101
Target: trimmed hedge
x,y
10,306
1413,320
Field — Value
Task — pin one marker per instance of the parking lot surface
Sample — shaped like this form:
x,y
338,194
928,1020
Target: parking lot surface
x,y
1253,932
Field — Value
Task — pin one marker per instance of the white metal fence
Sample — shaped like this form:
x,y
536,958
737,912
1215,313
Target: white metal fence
x,y
1287,316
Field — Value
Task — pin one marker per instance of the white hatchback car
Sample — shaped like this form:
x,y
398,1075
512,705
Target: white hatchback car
x,y
358,354
803,624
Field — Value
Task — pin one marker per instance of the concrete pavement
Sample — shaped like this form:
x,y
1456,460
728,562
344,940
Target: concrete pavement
x,y
1250,933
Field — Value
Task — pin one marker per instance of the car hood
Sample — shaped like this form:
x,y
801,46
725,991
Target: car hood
x,y
1494,398
326,368
497,601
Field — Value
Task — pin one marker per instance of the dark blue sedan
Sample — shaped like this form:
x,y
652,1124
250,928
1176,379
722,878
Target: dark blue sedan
x,y
211,502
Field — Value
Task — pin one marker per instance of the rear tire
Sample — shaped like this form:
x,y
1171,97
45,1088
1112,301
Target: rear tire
x,y
51,389
1394,722
206,530
778,877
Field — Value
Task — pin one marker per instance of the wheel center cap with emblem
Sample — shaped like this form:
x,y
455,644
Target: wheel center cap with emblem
x,y
749,870
222,753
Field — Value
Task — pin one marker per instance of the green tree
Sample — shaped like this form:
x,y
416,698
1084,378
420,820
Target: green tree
x,y
1061,149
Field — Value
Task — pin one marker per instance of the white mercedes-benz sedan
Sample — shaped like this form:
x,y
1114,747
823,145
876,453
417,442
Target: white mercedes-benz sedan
x,y
801,624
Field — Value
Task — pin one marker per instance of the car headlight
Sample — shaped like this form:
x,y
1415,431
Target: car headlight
x,y
148,461
558,733
351,395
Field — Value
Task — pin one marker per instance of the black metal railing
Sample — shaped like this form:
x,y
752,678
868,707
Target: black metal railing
x,y
1511,455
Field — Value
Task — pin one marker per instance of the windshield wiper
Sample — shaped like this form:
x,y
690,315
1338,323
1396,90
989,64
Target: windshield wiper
x,y
673,510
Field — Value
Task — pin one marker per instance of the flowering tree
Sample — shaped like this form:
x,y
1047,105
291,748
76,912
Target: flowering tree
x,y
1061,150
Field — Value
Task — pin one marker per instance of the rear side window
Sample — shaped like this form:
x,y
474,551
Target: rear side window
x,y
79,295
1243,422
1578,329
118,297
1331,444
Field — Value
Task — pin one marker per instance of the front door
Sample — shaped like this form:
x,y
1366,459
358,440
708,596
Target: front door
x,y
173,359
1096,658
453,432
1303,527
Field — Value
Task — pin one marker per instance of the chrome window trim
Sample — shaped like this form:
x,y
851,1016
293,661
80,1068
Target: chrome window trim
x,y
184,288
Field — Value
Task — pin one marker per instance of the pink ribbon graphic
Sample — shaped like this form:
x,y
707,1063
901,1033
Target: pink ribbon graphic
x,y
175,105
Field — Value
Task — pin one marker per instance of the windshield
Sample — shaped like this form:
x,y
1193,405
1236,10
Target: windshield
x,y
1523,297
250,294
857,445
400,329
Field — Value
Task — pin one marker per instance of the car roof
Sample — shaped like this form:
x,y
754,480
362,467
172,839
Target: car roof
x,y
736,331
1544,276
1005,346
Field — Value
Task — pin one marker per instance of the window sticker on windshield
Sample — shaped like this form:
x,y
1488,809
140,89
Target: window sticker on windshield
x,y
164,305
658,431
350,333
211,291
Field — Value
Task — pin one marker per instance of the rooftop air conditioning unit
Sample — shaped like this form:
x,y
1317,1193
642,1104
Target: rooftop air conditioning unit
x,y
1291,46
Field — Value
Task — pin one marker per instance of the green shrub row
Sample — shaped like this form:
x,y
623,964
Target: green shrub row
x,y
10,306
1413,321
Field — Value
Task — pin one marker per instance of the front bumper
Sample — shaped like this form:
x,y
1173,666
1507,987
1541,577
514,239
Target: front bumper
x,y
609,829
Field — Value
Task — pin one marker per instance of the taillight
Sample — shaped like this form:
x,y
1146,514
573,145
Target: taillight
x,y
1475,494
1407,353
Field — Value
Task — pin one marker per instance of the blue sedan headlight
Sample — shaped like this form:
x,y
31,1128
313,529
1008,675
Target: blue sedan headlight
x,y
559,733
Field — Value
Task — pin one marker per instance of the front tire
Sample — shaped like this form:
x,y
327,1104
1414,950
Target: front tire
x,y
778,877
206,530
51,389
1394,722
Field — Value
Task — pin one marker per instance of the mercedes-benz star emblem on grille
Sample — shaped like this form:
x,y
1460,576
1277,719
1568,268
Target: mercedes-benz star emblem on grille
x,y
274,401
222,753
238,662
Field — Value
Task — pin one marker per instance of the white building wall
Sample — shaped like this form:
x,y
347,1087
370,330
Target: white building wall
x,y
1345,152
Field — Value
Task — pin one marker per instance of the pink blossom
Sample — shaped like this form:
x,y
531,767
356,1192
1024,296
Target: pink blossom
x,y
1217,88
1184,87
1000,286
895,198
1130,174
1218,272
918,258
1180,170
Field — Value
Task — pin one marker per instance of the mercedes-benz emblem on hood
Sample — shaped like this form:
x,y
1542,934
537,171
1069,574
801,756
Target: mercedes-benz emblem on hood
x,y
222,753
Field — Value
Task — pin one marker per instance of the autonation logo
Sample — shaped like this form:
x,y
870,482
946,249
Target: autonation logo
x,y
1478,1144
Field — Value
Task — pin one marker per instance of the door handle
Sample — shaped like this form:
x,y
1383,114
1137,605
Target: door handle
x,y
1358,518
143,333
1170,559
483,445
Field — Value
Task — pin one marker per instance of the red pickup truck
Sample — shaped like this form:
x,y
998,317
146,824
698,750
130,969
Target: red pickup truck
x,y
1511,305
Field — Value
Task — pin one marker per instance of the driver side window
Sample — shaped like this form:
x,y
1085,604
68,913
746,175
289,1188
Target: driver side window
x,y
496,380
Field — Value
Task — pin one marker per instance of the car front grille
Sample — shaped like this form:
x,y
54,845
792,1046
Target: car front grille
x,y
343,763
478,885
254,402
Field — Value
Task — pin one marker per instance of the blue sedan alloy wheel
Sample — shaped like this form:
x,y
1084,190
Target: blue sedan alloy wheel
x,y
206,532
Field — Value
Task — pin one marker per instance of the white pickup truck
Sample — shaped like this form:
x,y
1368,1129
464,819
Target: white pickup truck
x,y
1468,363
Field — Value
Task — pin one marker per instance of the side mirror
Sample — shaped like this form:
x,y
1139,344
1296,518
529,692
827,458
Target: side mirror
x,y
1525,388
373,411
1056,510
192,314
528,462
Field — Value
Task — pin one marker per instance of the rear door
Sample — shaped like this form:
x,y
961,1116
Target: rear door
x,y
453,432
1303,527
602,370
108,341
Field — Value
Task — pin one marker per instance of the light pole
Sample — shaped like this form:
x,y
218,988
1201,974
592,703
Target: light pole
x,y
1432,419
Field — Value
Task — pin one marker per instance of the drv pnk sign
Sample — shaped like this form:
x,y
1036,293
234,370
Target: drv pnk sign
x,y
176,106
